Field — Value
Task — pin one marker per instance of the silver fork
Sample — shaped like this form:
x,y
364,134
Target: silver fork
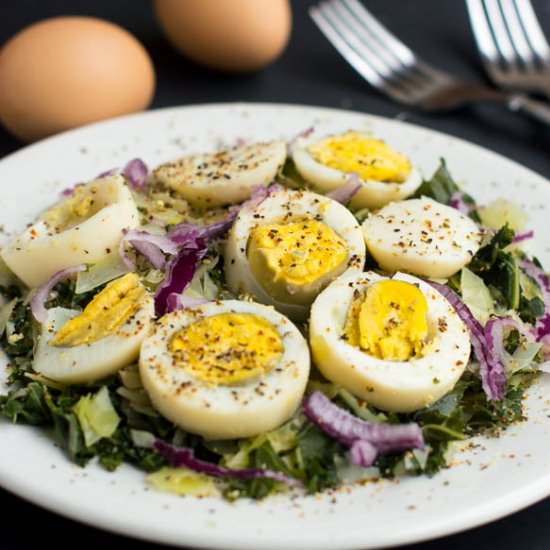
x,y
511,43
391,67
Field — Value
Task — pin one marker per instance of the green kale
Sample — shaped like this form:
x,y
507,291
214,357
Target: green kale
x,y
318,455
462,413
499,268
531,309
487,256
264,457
64,295
512,341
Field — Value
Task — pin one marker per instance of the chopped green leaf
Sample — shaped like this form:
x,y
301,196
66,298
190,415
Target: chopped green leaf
x,y
97,416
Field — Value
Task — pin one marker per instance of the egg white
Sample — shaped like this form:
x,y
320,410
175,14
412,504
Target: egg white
x,y
421,236
400,386
94,361
40,251
224,177
288,205
223,411
324,179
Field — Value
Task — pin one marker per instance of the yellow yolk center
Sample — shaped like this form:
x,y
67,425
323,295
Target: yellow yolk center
x,y
370,159
389,321
81,205
294,261
108,310
227,348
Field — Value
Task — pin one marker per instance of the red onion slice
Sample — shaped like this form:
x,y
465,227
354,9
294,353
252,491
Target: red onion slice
x,y
520,237
344,193
457,202
179,273
150,245
491,370
110,172
347,428
187,234
179,457
38,309
362,453
542,325
68,191
494,336
136,172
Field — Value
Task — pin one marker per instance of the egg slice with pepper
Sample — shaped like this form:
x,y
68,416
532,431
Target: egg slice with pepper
x,y
286,250
83,228
224,177
396,343
421,236
83,346
225,369
385,174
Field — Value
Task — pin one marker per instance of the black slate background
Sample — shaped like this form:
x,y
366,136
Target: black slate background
x,y
309,72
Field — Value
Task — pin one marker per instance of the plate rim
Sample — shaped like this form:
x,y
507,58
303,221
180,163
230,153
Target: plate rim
x,y
496,509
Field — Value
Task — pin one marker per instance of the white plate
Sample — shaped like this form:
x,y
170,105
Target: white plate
x,y
491,479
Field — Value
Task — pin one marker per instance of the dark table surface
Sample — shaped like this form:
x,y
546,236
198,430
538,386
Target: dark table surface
x,y
309,72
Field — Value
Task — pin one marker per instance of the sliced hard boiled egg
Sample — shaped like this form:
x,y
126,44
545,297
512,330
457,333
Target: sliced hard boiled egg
x,y
421,236
225,369
385,175
396,343
224,177
83,228
286,250
84,346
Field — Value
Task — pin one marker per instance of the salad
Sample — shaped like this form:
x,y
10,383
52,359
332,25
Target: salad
x,y
272,317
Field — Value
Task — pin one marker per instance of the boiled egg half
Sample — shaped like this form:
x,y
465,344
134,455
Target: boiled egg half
x,y
225,369
327,163
83,228
84,346
396,343
421,236
224,177
287,249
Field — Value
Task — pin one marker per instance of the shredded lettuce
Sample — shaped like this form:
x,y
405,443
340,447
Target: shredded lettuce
x,y
202,285
476,295
97,416
142,438
183,482
501,212
523,357
100,273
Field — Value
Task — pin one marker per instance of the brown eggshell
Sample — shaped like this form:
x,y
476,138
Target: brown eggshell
x,y
68,71
230,35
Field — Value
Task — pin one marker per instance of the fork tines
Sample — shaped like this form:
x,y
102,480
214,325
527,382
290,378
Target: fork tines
x,y
511,43
375,53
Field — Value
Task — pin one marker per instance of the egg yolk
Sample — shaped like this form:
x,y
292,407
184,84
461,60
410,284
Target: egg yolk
x,y
389,321
227,348
370,159
108,310
293,261
81,205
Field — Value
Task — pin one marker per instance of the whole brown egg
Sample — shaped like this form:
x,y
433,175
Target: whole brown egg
x,y
230,35
68,71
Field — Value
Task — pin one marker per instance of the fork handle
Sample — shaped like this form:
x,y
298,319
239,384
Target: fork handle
x,y
536,109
